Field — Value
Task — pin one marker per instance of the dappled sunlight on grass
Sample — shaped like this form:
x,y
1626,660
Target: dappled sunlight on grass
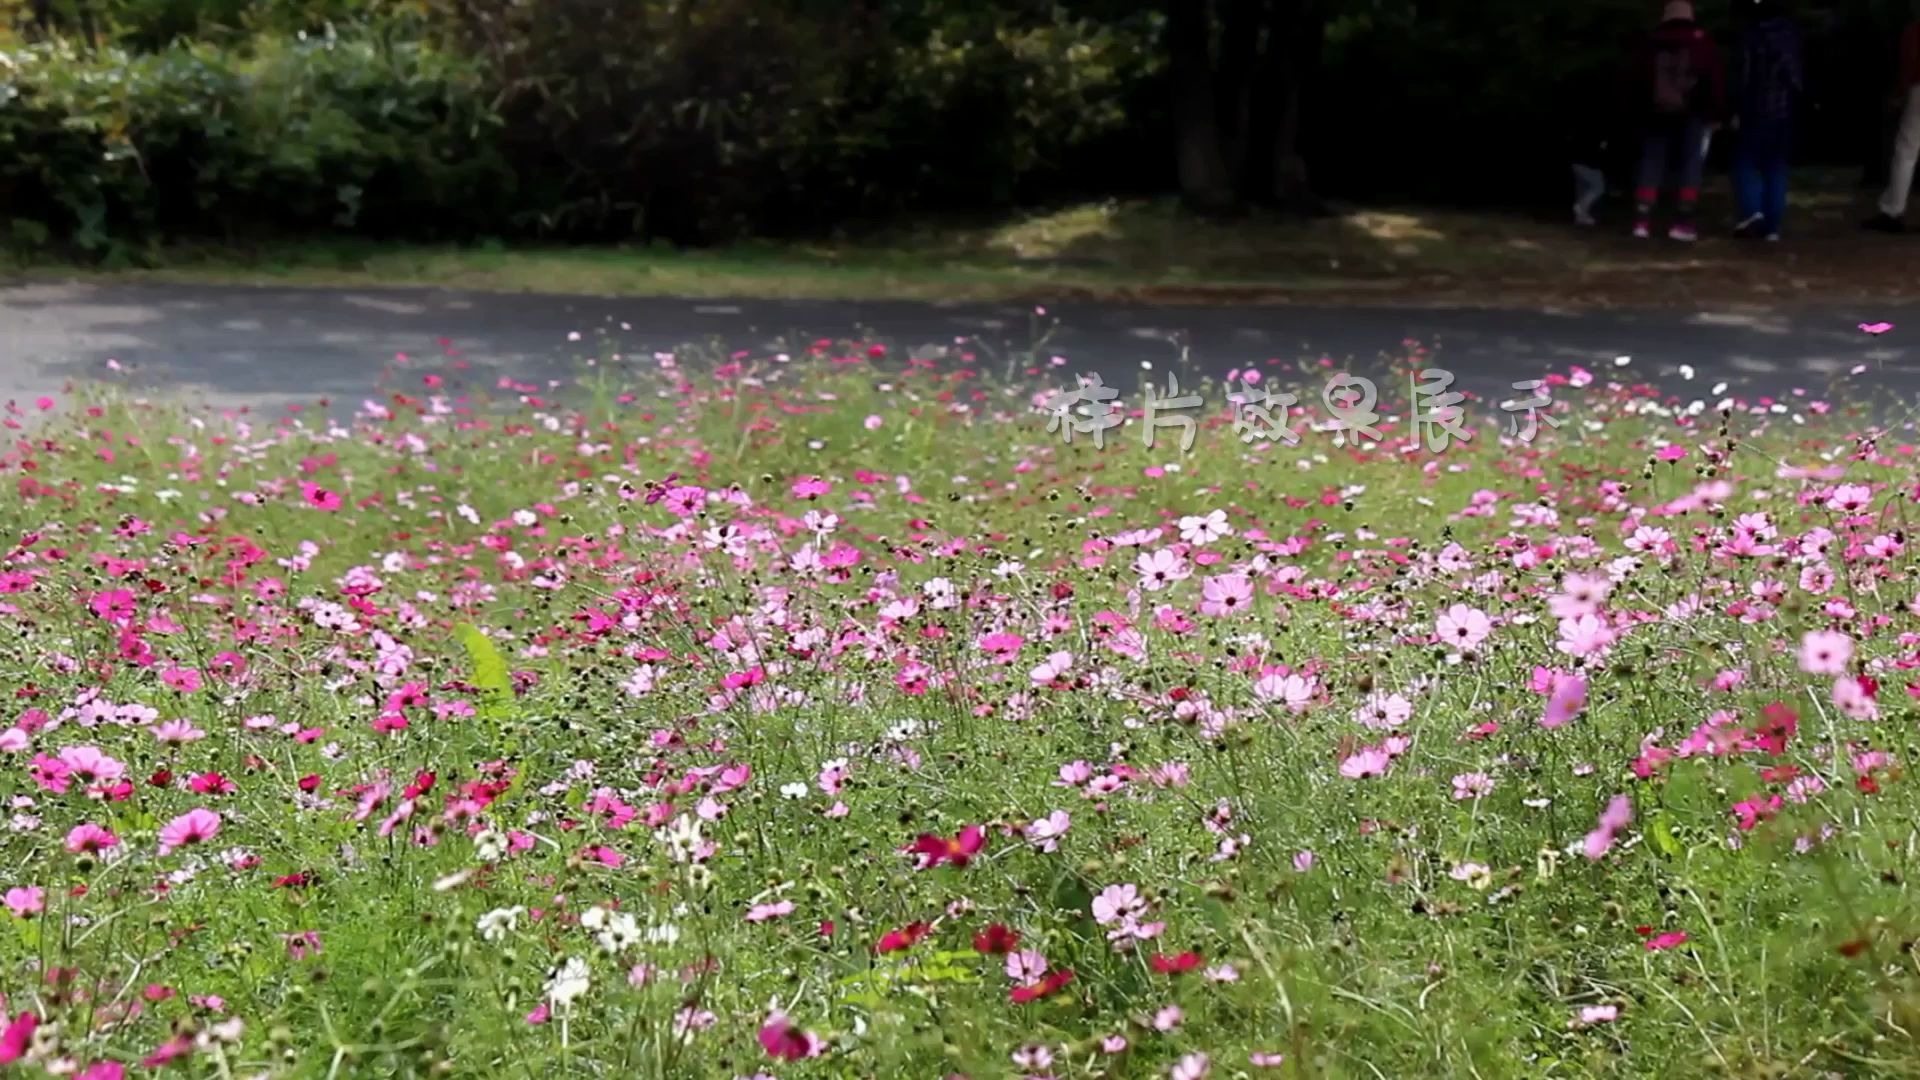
x,y
1152,250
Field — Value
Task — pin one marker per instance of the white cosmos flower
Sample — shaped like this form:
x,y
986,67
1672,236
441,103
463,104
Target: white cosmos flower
x,y
499,922
568,983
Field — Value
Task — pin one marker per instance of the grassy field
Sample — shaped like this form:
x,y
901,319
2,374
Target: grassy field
x,y
830,716
1149,253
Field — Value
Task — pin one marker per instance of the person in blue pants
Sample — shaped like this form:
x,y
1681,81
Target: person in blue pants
x,y
1769,78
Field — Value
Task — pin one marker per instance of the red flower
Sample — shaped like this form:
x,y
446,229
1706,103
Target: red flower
x,y
1021,995
960,850
1175,965
902,939
1778,723
1751,812
996,940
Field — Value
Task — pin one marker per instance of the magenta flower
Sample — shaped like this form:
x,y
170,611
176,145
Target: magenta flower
x,y
17,1038
318,497
785,1042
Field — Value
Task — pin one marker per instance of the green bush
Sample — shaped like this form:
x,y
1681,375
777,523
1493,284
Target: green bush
x,y
111,150
702,121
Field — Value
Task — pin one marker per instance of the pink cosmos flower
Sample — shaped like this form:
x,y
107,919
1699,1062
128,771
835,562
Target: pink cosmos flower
x,y
1294,690
1026,966
1582,594
90,839
760,913
1194,1066
1117,903
1200,531
1597,1014
1055,666
1825,652
1852,697
1462,627
193,827
1226,594
1046,832
1471,786
1367,762
25,901
89,766
811,487
177,732
1383,712
1569,697
1003,647
1159,569
1616,817
1587,636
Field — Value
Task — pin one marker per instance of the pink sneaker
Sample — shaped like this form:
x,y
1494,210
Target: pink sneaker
x,y
1642,229
1686,234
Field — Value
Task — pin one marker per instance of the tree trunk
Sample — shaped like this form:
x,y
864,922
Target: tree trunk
x,y
1239,114
1204,181
1302,33
88,28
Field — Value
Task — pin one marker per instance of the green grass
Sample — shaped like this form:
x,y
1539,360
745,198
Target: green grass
x,y
830,609
1136,251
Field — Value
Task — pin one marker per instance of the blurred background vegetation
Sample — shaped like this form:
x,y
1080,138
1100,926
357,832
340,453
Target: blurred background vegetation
x,y
127,123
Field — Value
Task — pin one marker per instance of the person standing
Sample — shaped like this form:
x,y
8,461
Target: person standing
x,y
1770,63
1680,70
1906,143
1590,145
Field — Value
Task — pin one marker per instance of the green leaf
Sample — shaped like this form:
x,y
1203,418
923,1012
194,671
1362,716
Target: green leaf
x,y
490,672
1660,831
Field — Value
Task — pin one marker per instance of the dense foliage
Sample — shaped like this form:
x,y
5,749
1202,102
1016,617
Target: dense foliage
x,y
702,120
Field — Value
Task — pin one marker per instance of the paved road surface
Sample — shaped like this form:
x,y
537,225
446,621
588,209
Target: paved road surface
x,y
268,346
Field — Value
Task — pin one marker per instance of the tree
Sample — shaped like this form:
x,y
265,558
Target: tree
x,y
1239,70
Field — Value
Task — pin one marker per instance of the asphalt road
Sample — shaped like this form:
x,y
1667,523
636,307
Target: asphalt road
x,y
270,346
